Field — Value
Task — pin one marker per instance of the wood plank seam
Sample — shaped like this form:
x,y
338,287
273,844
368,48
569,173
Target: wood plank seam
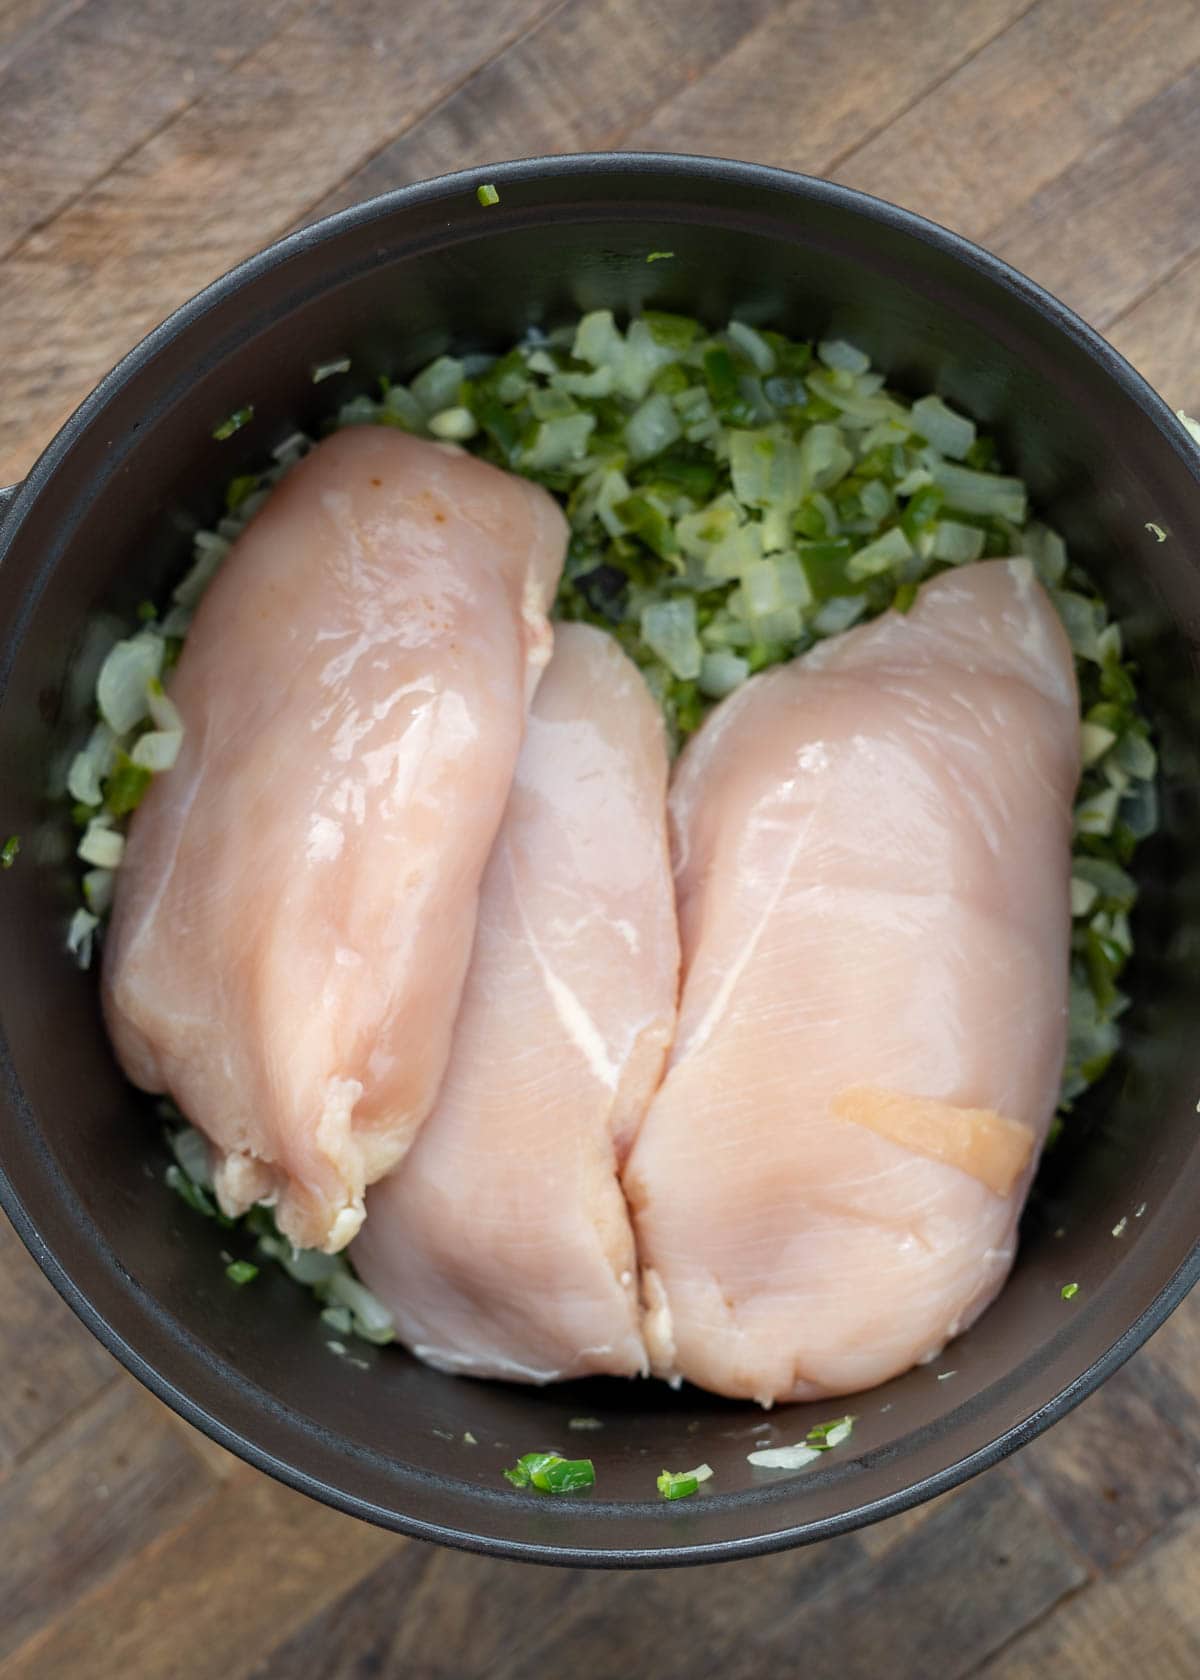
x,y
462,123
1184,1525
1043,1616
830,165
64,1421
203,90
139,1561
305,215
1110,71
1106,195
612,140
844,156
1034,1492
476,71
1172,274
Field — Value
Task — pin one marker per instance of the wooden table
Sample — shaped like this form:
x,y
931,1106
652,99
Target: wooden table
x,y
145,145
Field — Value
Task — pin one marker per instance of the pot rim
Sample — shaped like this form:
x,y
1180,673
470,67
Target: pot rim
x,y
189,316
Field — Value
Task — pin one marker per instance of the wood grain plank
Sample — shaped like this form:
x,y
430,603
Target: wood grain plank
x,y
588,79
837,1609
462,1615
112,1480
1125,1463
488,1618
249,1566
983,1563
831,1611
1102,233
23,21
1037,99
574,84
221,1465
819,75
51,1365
1141,1621
121,71
233,170
1160,335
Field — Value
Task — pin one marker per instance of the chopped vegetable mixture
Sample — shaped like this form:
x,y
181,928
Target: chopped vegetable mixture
x,y
733,498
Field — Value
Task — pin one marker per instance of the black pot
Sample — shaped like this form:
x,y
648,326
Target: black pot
x,y
102,522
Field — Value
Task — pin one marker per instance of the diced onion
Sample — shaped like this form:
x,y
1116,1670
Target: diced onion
x,y
1094,741
1047,551
1081,620
1136,755
1139,810
824,457
101,845
643,357
80,934
90,766
633,358
978,492
956,543
768,469
597,340
949,433
455,425
326,370
752,345
190,1149
839,613
436,387
598,383
310,1265
784,1458
721,672
164,713
558,442
371,1317
843,357
1098,814
123,683
98,890
210,550
882,555
652,427
669,630
1083,895
614,488
157,749
876,499
917,478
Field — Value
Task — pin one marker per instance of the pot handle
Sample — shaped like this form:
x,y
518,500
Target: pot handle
x,y
8,495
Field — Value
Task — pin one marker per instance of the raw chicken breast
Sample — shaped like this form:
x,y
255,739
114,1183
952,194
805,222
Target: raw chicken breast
x,y
502,1244
296,906
873,864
